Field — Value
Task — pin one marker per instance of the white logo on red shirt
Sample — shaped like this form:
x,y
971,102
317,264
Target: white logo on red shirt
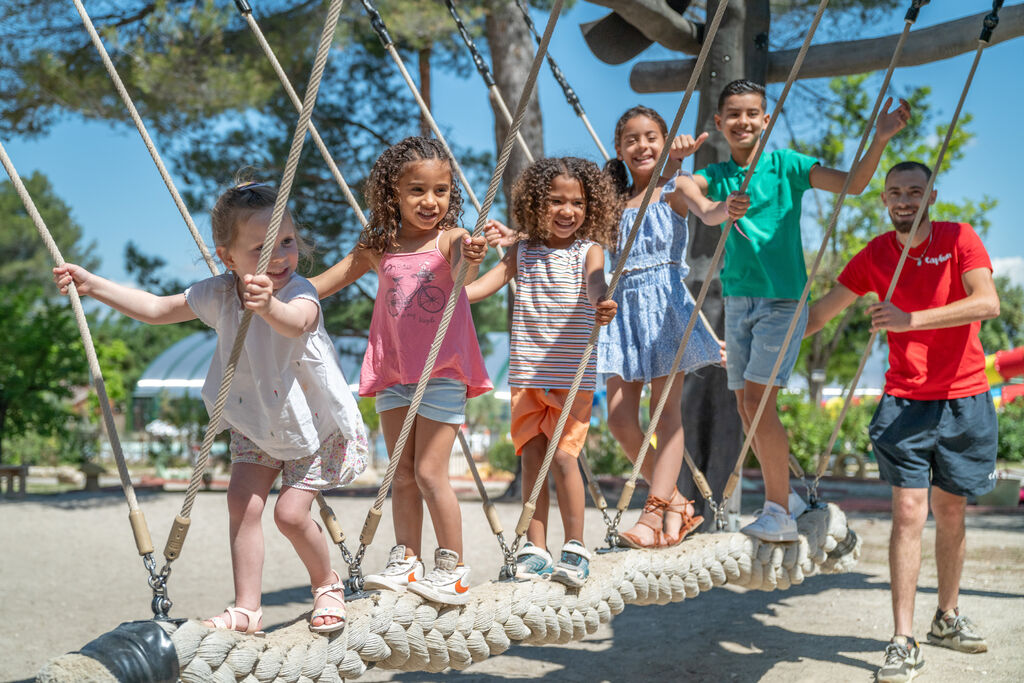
x,y
936,260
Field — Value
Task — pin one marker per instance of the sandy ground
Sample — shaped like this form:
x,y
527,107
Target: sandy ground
x,y
69,572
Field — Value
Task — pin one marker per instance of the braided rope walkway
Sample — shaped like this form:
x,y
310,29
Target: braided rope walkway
x,y
401,631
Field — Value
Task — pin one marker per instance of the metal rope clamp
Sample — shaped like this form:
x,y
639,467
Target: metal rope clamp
x,y
355,581
721,517
508,568
161,604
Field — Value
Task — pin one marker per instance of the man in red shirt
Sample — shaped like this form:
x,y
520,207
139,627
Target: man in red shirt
x,y
935,427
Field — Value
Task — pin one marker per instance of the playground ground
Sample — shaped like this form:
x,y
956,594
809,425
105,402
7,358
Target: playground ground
x,y
69,572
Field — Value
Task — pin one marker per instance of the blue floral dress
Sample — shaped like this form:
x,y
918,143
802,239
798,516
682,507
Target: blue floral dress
x,y
655,305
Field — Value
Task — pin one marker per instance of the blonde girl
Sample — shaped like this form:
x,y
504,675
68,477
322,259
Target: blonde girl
x,y
289,411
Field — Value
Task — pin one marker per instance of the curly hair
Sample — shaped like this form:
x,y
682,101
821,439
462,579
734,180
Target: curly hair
x,y
615,168
236,204
381,232
532,191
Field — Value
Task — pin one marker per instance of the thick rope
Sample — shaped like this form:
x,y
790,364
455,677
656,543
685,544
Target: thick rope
x,y
126,98
734,477
180,526
246,12
373,518
402,631
570,94
715,260
530,506
989,25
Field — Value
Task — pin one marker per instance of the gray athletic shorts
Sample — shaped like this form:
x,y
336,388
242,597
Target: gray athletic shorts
x,y
949,443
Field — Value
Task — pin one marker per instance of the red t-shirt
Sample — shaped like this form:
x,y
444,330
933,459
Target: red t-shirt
x,y
926,364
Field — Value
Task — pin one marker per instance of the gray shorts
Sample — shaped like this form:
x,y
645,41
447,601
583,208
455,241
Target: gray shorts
x,y
949,443
443,401
754,330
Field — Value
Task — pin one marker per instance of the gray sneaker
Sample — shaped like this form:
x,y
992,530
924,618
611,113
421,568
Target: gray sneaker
x,y
903,661
573,566
533,562
956,632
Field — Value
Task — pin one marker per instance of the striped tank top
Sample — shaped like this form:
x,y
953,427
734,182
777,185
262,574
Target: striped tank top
x,y
552,317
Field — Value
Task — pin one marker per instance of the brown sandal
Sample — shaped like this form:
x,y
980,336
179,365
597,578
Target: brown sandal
x,y
652,518
679,505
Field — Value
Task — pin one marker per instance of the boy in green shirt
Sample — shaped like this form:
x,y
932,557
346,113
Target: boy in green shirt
x,y
764,272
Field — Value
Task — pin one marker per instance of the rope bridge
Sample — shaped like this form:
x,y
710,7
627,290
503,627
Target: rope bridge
x,y
402,631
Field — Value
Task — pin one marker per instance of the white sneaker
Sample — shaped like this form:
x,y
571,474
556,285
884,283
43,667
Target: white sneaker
x,y
773,524
447,583
797,506
398,574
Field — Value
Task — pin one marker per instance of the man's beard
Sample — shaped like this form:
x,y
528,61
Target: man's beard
x,y
903,225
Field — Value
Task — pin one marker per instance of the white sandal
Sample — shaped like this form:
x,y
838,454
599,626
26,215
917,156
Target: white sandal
x,y
254,616
337,612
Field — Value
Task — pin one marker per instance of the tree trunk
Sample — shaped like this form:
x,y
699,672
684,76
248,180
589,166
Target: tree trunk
x,y
713,428
423,58
512,50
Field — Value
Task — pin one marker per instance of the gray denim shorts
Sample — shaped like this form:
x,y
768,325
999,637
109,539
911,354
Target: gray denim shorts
x,y
443,401
754,330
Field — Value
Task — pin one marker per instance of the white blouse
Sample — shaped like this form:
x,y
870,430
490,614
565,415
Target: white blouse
x,y
288,393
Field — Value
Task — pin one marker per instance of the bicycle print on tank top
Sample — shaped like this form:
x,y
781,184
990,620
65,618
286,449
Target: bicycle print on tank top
x,y
413,289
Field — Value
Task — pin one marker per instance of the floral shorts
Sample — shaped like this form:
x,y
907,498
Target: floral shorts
x,y
337,463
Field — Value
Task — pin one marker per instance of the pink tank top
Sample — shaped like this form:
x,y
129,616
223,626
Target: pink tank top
x,y
412,291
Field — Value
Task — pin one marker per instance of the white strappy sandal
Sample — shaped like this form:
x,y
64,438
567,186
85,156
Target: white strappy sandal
x,y
255,617
337,612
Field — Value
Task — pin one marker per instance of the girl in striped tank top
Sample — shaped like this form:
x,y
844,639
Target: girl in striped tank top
x,y
566,209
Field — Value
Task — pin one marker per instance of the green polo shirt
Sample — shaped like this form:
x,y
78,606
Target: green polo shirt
x,y
769,261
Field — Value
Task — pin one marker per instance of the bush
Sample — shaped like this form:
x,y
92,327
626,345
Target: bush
x,y
502,456
604,452
810,426
1011,431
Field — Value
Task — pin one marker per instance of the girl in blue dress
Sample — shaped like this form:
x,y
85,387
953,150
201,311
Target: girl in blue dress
x,y
638,346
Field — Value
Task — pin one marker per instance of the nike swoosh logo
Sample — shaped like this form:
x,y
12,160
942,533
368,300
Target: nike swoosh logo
x,y
412,576
459,588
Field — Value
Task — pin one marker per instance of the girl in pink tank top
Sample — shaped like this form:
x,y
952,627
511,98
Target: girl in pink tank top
x,y
414,244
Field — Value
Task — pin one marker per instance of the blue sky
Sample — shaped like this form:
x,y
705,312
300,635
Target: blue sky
x,y
105,174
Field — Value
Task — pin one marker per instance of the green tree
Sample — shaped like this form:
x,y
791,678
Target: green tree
x,y
42,358
227,110
1006,331
42,361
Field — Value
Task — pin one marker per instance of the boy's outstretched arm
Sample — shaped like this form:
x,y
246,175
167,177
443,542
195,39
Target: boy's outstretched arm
x,y
828,307
597,287
494,279
356,264
889,123
135,303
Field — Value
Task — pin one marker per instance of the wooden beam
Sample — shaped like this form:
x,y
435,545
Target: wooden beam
x,y
923,46
657,21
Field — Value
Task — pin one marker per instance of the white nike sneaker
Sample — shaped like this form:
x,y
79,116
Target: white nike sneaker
x,y
447,583
398,574
773,524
